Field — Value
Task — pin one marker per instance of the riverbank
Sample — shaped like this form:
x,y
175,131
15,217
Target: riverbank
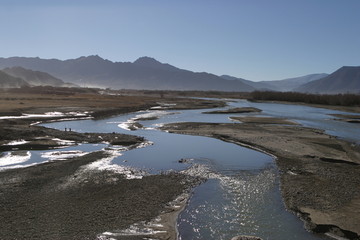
x,y
14,103
307,176
65,200
319,173
70,200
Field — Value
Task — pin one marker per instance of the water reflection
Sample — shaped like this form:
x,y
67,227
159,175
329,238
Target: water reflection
x,y
240,203
319,118
242,194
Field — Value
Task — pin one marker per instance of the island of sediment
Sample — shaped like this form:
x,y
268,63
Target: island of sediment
x,y
319,173
74,199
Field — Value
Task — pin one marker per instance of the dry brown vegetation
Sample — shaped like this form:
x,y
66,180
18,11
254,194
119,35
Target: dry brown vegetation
x,y
11,101
43,99
172,93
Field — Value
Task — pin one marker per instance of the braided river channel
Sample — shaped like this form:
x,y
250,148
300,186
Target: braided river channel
x,y
241,195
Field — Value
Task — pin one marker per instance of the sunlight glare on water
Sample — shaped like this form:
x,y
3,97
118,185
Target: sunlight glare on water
x,y
241,195
243,203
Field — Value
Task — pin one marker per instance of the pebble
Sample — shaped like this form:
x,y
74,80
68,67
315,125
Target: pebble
x,y
243,237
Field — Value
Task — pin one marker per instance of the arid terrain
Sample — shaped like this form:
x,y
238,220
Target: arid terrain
x,y
64,199
319,173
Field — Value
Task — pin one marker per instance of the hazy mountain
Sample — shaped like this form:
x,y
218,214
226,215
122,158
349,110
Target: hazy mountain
x,y
35,78
8,81
344,80
290,84
284,85
255,85
148,62
144,73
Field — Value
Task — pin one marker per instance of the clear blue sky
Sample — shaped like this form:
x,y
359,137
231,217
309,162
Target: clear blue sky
x,y
252,39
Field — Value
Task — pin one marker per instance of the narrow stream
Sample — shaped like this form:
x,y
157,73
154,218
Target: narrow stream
x,y
241,196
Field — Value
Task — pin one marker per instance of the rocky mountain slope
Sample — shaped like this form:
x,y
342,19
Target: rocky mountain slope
x,y
148,73
36,78
144,73
8,81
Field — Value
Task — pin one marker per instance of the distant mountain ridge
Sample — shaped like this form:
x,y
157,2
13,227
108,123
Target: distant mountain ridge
x,y
8,81
284,85
36,78
256,85
150,74
290,84
153,63
344,80
144,73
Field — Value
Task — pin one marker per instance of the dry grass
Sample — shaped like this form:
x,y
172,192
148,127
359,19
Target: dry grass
x,y
15,102
23,102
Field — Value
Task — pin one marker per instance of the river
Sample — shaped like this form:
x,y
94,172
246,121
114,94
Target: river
x,y
241,195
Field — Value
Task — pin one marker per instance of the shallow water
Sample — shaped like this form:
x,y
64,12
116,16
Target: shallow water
x,y
17,159
241,195
312,117
246,204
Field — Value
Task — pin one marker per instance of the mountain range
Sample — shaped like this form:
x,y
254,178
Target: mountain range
x,y
144,73
148,73
283,85
344,80
35,78
8,81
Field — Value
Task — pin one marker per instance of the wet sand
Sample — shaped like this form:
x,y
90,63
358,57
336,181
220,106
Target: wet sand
x,y
264,120
347,118
319,173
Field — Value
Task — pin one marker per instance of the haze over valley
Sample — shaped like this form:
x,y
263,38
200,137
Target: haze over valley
x,y
149,74
169,120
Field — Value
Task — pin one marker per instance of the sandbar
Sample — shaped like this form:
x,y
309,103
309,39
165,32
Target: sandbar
x,y
235,110
319,173
264,120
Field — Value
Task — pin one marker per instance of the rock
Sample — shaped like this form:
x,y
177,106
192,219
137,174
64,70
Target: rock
x,y
243,237
185,160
